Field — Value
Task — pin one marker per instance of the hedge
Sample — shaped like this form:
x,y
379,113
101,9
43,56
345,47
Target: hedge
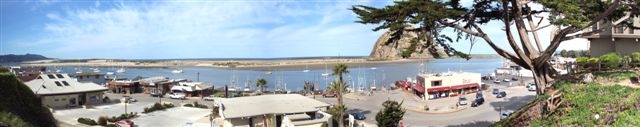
x,y
87,121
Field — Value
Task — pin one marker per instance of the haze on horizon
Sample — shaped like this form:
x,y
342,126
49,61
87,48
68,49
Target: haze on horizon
x,y
197,29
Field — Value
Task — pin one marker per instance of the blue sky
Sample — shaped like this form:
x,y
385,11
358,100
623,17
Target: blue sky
x,y
195,29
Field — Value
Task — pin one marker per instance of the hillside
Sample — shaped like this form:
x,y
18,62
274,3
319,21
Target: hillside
x,y
21,58
612,100
387,48
19,106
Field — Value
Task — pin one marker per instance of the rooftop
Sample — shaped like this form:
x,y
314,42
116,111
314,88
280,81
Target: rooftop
x,y
59,83
276,104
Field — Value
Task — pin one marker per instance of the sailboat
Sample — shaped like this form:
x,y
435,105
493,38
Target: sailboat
x,y
176,71
96,70
306,69
121,70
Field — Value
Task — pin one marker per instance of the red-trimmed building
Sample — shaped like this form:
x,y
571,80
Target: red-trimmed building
x,y
447,84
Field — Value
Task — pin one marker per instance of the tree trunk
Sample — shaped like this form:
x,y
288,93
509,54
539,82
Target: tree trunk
x,y
541,75
340,118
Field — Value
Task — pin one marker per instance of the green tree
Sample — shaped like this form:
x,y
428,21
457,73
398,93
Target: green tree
x,y
20,106
572,53
309,87
390,115
429,17
262,83
335,86
564,53
338,70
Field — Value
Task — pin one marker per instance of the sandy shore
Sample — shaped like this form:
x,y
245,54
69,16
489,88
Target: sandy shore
x,y
275,64
238,64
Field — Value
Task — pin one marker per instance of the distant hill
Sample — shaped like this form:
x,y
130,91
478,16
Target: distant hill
x,y
21,58
19,106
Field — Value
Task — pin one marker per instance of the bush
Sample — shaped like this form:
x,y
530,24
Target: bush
x,y
188,105
111,125
102,120
582,60
611,60
635,58
87,121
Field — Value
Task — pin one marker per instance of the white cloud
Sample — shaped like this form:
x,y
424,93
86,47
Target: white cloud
x,y
188,29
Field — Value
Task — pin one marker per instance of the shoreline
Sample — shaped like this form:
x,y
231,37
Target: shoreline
x,y
284,64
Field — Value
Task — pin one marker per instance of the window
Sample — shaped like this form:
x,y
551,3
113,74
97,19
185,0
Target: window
x,y
51,77
55,99
64,99
59,76
631,31
65,83
79,77
58,83
618,29
436,83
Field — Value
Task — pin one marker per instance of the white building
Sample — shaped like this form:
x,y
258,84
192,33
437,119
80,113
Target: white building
x,y
61,91
271,110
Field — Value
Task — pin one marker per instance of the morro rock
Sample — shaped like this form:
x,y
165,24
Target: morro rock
x,y
383,50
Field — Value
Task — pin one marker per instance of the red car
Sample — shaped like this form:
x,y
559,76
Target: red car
x,y
124,123
329,94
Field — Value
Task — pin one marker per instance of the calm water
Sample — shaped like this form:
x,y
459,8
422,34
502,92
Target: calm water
x,y
384,74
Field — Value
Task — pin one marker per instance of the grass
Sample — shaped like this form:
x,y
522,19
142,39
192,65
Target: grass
x,y
7,118
616,106
615,76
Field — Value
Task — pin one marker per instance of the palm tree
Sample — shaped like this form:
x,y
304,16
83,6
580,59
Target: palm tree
x,y
339,70
261,83
333,87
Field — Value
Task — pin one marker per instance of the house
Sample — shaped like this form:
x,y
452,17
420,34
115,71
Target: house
x,y
124,86
193,89
27,73
58,90
155,84
90,77
448,84
272,110
618,39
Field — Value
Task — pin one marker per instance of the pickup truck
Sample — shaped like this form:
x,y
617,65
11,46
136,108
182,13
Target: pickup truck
x,y
329,94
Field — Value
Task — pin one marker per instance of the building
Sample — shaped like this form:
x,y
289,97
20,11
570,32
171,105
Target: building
x,y
90,77
27,73
618,39
273,111
448,84
125,86
58,90
192,89
156,84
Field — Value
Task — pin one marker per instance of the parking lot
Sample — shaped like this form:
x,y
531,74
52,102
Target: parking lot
x,y
483,115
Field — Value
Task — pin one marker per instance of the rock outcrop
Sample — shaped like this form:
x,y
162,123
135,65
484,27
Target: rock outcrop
x,y
383,50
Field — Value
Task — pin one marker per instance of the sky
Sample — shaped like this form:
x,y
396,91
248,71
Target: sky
x,y
129,29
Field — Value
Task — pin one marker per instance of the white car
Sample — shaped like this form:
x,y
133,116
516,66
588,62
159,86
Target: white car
x,y
177,96
506,80
462,101
531,87
209,98
505,114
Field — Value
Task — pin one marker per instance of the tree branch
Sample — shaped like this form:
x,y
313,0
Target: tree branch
x,y
535,33
615,4
539,28
520,27
526,63
600,29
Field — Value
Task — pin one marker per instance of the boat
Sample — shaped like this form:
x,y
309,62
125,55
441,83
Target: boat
x,y
96,70
326,74
109,73
175,71
305,70
121,70
58,71
269,73
78,72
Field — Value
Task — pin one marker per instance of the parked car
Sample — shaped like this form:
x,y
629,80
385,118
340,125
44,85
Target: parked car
x,y
531,87
477,102
329,94
501,94
131,99
514,79
177,96
209,98
124,123
497,81
506,80
479,95
358,115
155,94
462,101
495,91
505,114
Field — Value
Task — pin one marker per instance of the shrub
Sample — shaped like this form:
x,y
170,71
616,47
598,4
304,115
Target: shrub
x,y
611,60
635,58
102,120
593,60
87,121
188,105
111,125
582,60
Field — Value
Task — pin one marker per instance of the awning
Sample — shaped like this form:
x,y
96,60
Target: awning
x,y
438,89
418,88
464,86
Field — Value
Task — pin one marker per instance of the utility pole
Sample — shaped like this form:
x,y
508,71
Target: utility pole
x,y
198,76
